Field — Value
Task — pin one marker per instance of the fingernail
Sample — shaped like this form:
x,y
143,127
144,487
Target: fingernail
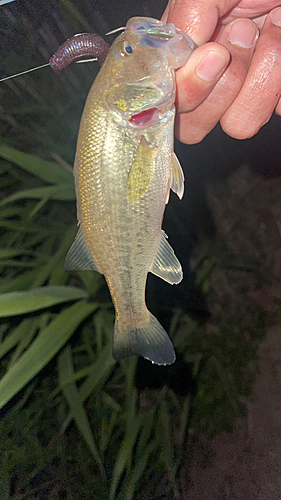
x,y
276,17
211,65
243,33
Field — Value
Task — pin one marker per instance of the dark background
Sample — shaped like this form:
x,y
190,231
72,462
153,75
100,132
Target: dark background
x,y
40,113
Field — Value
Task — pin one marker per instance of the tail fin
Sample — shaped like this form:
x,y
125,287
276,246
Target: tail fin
x,y
150,341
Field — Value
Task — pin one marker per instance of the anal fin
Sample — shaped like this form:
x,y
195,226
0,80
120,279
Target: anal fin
x,y
166,264
177,177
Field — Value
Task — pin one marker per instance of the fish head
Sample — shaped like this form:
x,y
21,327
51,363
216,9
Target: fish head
x,y
140,71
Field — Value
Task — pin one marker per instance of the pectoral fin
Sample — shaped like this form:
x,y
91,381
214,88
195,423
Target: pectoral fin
x,y
79,257
166,264
177,177
140,173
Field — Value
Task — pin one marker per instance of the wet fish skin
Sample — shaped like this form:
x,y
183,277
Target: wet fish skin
x,y
124,168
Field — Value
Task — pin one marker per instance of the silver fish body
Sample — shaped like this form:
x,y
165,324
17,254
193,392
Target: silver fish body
x,y
124,169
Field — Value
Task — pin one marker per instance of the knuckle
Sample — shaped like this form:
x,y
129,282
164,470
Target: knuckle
x,y
239,129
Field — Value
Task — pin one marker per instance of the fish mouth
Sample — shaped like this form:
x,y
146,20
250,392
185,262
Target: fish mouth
x,y
150,115
145,118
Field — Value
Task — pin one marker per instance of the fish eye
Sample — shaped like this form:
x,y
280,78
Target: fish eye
x,y
127,49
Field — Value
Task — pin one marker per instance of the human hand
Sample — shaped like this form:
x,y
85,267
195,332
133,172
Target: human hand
x,y
236,77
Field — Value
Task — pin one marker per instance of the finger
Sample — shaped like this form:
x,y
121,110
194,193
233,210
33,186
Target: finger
x,y
197,18
252,9
198,77
278,108
239,38
261,90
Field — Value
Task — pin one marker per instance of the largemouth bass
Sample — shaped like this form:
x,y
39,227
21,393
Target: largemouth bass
x,y
124,169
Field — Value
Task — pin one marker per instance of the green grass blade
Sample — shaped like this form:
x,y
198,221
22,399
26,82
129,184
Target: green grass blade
x,y
124,455
111,402
146,431
106,431
166,442
49,341
19,227
46,270
48,171
138,470
65,192
15,303
15,336
184,417
23,344
134,422
8,253
17,264
8,212
71,393
20,282
99,371
37,207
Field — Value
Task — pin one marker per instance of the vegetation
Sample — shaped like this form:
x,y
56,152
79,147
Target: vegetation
x,y
72,421
73,424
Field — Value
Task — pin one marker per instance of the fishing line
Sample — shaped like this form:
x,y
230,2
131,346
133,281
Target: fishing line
x,y
115,31
24,72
